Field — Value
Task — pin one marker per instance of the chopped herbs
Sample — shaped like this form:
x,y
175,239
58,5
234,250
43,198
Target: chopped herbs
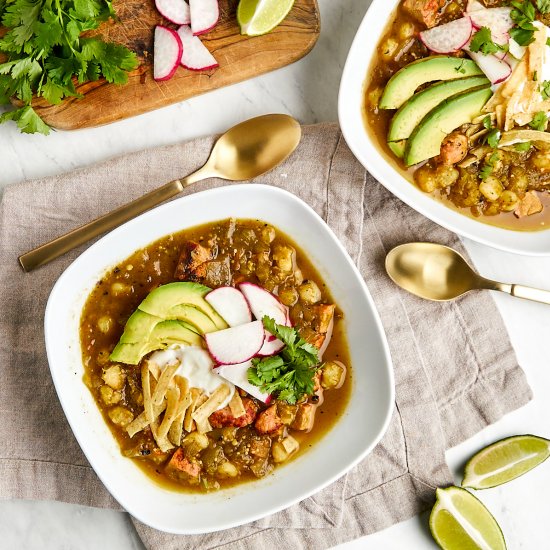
x,y
523,146
45,49
487,168
523,14
482,41
539,121
493,136
543,6
290,374
545,89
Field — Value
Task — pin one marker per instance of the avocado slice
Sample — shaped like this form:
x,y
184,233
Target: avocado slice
x,y
163,335
165,297
404,82
174,332
425,141
138,327
195,317
420,104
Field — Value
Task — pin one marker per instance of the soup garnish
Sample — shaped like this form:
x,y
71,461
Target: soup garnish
x,y
211,352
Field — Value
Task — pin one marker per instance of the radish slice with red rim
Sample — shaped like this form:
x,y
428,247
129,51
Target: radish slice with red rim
x,y
167,53
204,15
196,56
176,11
238,375
263,303
271,347
495,69
227,300
498,20
449,37
236,344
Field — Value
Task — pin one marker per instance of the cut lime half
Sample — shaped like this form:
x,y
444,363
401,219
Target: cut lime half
x,y
459,521
505,460
257,17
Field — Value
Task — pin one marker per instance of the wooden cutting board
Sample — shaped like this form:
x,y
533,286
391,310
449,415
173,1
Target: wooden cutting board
x,y
240,58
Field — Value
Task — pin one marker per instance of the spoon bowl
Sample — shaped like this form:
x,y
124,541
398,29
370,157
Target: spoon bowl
x,y
254,147
437,272
431,271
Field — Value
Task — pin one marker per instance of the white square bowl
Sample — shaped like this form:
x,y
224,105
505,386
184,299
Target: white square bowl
x,y
355,434
350,105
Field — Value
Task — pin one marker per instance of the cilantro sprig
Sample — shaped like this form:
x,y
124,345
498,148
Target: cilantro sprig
x,y
44,52
493,135
539,121
482,41
290,374
488,167
523,14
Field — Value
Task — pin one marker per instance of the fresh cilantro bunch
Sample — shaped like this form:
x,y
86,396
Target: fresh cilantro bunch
x,y
43,52
290,374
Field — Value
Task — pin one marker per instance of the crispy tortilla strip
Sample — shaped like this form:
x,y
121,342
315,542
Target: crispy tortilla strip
x,y
163,383
236,405
201,414
141,421
518,136
176,429
154,369
146,389
172,399
188,422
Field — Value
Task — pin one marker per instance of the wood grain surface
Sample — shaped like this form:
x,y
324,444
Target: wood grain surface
x,y
240,58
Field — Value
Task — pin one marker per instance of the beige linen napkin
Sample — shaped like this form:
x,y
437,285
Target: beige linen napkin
x,y
455,369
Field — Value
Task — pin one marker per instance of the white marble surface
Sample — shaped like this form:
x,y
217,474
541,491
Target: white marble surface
x,y
308,90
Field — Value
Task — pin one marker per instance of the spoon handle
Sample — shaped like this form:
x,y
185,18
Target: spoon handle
x,y
59,246
529,293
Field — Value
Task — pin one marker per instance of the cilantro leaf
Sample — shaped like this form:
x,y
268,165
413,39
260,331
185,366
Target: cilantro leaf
x,y
290,374
539,121
545,89
523,146
523,14
482,41
543,6
493,138
488,167
27,120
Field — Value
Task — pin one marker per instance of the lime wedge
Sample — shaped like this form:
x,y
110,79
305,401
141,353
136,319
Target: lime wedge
x,y
505,460
257,17
459,521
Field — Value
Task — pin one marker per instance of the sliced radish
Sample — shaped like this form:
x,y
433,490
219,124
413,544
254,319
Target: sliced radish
x,y
498,20
238,375
449,37
270,348
196,56
167,53
515,49
474,5
176,11
262,303
495,69
236,344
204,15
230,304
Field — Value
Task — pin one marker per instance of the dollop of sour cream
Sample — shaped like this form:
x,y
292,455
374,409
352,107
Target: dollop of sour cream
x,y
196,365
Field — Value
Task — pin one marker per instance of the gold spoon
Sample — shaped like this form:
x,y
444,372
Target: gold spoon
x,y
437,272
245,151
